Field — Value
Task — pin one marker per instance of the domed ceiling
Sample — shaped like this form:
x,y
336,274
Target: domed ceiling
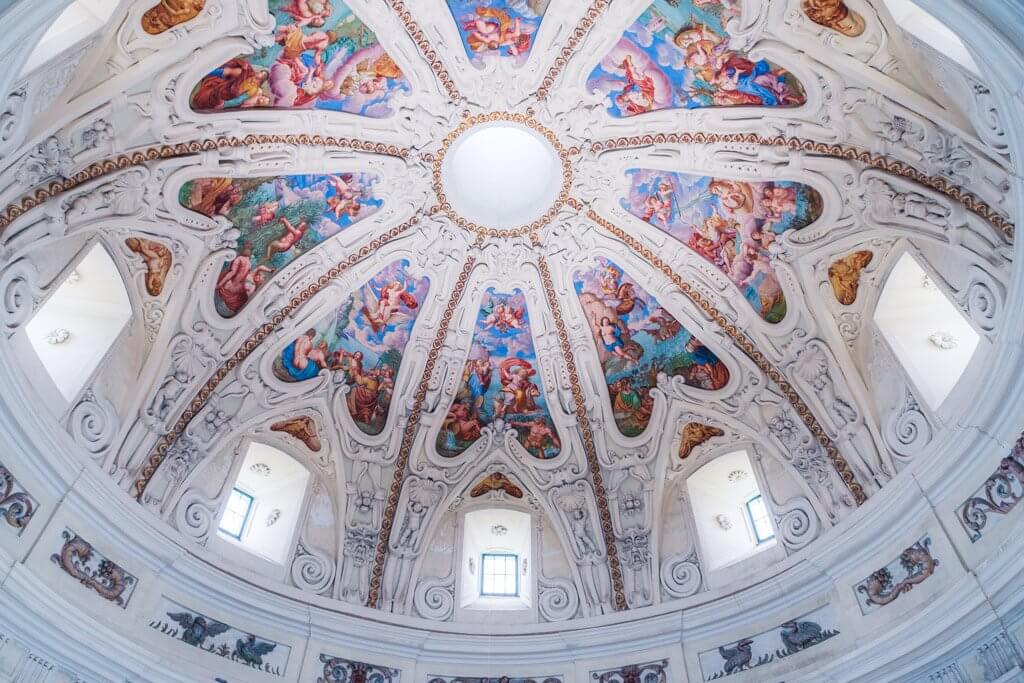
x,y
545,257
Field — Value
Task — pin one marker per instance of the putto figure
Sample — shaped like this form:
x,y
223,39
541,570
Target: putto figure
x,y
362,343
732,224
278,219
677,54
500,382
636,340
323,57
503,28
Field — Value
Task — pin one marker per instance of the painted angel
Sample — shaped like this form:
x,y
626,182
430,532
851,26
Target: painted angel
x,y
384,310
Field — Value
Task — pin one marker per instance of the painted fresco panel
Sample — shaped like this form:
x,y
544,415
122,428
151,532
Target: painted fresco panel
x,y
497,27
731,224
364,340
323,57
278,219
500,381
677,55
636,340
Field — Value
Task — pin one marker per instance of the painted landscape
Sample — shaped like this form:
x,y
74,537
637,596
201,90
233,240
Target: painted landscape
x,y
637,339
278,219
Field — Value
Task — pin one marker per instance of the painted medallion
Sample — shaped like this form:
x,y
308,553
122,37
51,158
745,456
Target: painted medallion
x,y
500,381
323,57
636,340
498,27
278,219
677,55
729,223
364,340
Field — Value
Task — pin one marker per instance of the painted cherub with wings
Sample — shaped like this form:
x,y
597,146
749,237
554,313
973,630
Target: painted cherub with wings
x,y
385,309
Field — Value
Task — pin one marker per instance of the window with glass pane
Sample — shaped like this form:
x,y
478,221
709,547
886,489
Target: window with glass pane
x,y
499,574
236,514
758,513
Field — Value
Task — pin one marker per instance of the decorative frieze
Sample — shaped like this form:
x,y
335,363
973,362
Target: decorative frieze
x,y
998,495
198,630
885,585
81,561
497,679
768,646
341,670
651,672
16,505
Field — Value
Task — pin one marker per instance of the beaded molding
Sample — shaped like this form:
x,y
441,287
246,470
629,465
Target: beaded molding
x,y
970,202
184,149
428,52
587,434
409,433
564,156
745,345
597,7
159,452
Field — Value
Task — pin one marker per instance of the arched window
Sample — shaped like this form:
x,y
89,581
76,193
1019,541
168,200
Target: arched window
x,y
931,31
75,328
928,334
497,560
732,518
262,509
79,20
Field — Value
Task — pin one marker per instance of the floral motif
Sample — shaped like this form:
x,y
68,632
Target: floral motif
x,y
999,494
341,670
913,566
16,505
82,562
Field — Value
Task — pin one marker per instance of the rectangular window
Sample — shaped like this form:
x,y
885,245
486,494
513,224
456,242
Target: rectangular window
x,y
236,514
499,575
759,520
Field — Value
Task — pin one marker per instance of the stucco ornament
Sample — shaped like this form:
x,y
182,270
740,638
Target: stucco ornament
x,y
532,257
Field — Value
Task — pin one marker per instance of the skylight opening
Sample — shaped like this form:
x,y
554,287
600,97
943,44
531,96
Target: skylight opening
x,y
76,327
262,510
79,20
931,31
733,519
929,335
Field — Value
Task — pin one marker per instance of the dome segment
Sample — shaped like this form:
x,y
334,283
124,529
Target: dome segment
x,y
654,349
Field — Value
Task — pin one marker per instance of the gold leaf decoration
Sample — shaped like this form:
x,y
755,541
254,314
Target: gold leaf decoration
x,y
844,274
694,434
302,428
169,13
496,481
834,14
